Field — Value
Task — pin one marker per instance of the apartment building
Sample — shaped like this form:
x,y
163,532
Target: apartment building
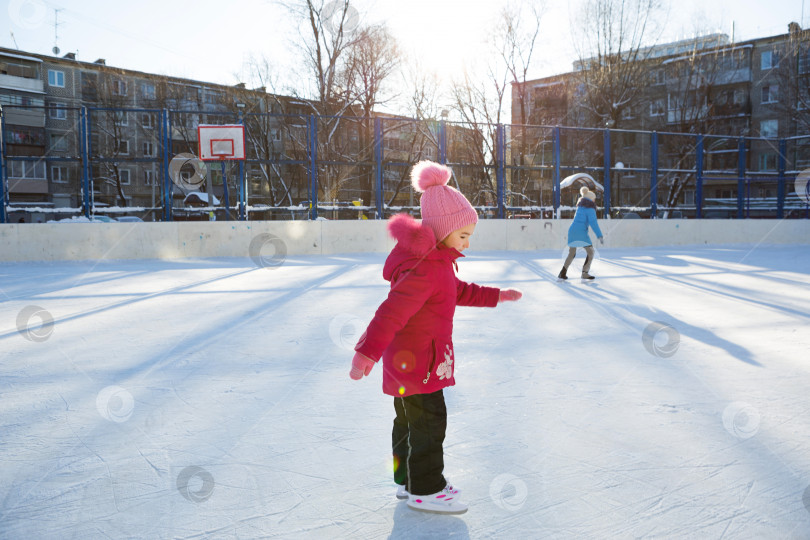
x,y
42,97
708,85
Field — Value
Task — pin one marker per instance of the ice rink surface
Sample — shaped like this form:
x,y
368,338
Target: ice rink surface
x,y
211,399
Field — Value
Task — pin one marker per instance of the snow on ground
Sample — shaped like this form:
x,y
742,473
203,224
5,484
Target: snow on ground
x,y
211,399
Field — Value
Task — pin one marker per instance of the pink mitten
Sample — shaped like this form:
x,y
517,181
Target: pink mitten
x,y
361,365
509,295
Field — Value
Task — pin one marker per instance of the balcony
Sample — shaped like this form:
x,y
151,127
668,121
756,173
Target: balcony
x,y
28,185
15,116
23,84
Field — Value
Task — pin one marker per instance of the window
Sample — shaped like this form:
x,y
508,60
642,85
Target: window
x,y
627,173
275,135
119,87
770,93
59,142
627,113
149,177
25,135
769,128
57,111
658,107
147,120
739,97
148,90
59,173
804,61
121,118
123,175
24,101
767,162
657,77
56,78
123,147
34,170
769,59
148,149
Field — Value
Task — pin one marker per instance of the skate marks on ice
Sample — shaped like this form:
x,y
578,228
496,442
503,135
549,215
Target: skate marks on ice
x,y
563,425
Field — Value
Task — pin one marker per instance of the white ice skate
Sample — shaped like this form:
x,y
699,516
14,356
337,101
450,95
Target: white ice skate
x,y
402,493
443,502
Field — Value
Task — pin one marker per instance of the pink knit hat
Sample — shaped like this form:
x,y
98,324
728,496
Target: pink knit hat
x,y
444,209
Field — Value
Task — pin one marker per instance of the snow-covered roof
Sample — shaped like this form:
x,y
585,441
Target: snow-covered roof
x,y
584,177
21,57
203,197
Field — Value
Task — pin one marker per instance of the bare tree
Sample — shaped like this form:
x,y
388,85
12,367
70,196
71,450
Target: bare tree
x,y
371,60
481,101
613,69
112,143
793,79
695,82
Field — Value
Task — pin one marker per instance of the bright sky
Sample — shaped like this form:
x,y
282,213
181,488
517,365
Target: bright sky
x,y
211,40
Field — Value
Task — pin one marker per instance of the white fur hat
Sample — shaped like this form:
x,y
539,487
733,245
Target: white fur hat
x,y
587,193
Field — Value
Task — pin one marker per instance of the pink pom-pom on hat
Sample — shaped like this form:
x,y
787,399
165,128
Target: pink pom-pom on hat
x,y
427,174
444,209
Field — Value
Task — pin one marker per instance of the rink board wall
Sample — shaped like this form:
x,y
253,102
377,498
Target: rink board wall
x,y
83,241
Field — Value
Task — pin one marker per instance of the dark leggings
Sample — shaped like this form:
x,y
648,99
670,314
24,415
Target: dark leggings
x,y
417,439
572,252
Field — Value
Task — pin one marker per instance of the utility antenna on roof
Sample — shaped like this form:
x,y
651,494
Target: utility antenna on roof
x,y
56,31
14,40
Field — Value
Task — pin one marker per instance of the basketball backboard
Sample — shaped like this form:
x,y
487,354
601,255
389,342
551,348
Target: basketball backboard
x,y
218,142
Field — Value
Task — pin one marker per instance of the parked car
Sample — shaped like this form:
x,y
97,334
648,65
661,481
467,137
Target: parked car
x,y
130,219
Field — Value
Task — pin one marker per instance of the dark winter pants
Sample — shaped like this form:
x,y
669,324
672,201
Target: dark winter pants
x,y
572,252
417,439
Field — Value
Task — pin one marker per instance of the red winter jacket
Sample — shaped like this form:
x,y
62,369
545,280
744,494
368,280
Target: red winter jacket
x,y
413,328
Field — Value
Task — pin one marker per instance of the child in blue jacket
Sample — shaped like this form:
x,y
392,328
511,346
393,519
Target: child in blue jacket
x,y
578,233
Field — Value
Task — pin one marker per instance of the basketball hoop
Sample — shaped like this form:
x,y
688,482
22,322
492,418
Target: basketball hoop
x,y
221,142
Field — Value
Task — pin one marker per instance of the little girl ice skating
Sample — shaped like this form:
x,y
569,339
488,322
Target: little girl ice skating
x,y
412,333
584,217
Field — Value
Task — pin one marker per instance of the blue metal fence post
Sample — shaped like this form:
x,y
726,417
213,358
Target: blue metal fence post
x,y
780,185
442,142
241,186
654,175
3,216
84,142
224,191
168,184
699,177
606,179
556,141
312,135
378,168
740,176
500,152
